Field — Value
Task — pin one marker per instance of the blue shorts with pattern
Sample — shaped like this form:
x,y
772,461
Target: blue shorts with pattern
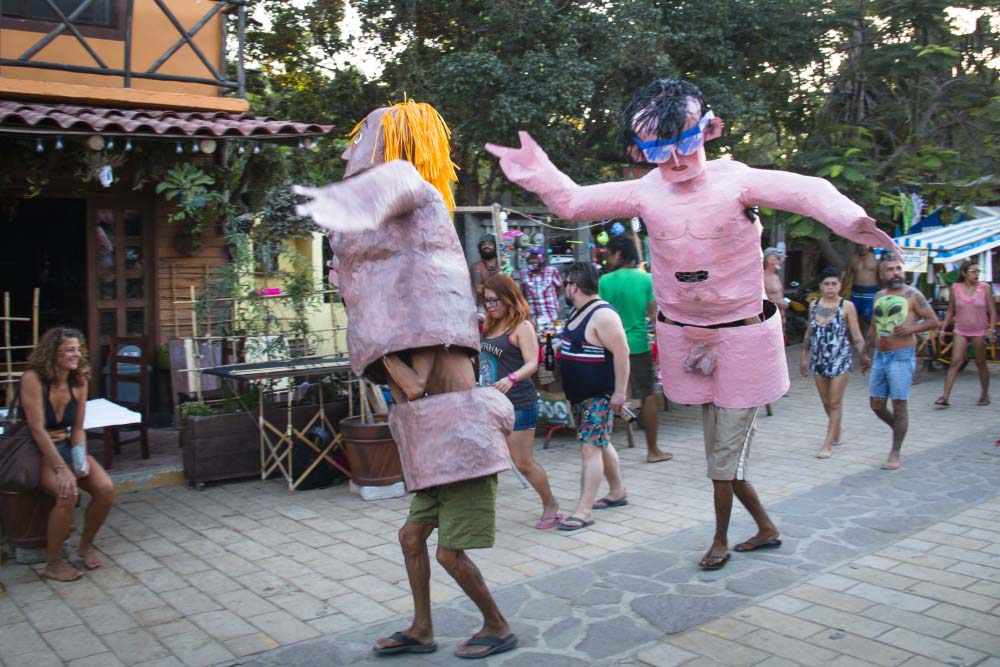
x,y
892,373
593,419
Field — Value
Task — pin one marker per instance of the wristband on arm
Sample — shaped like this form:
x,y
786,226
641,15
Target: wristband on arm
x,y
513,379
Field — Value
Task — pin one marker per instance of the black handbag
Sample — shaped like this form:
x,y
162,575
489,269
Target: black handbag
x,y
20,458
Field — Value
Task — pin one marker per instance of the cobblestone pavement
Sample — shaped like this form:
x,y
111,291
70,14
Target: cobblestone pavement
x,y
898,568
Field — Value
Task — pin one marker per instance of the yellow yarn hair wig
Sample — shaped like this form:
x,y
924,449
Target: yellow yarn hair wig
x,y
415,132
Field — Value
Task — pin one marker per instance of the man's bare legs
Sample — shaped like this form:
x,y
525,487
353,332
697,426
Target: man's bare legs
x,y
650,425
898,420
521,445
467,575
597,462
831,392
413,540
724,490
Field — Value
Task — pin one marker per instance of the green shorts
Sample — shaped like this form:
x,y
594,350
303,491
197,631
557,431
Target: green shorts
x,y
465,513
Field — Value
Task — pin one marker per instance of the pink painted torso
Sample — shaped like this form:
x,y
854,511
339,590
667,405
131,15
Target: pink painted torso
x,y
971,316
707,264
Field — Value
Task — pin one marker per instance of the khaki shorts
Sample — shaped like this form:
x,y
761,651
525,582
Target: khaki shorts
x,y
728,432
463,512
641,375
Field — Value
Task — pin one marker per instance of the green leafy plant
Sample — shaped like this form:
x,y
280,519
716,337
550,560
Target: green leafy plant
x,y
191,189
195,409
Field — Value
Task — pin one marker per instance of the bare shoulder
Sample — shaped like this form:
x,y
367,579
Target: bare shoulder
x,y
916,296
879,294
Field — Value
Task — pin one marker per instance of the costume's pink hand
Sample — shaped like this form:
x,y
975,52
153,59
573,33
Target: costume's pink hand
x,y
874,237
519,163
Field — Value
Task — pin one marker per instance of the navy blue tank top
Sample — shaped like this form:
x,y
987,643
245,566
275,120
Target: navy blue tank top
x,y
588,371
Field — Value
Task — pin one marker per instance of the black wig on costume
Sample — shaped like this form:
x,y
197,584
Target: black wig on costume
x,y
659,107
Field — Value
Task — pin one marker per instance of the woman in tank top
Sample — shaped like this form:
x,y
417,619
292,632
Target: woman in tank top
x,y
508,359
974,313
826,352
53,399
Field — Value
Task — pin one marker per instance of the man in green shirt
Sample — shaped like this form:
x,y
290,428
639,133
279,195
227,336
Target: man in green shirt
x,y
630,291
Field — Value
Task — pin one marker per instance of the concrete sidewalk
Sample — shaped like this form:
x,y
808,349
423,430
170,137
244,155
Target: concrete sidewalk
x,y
208,577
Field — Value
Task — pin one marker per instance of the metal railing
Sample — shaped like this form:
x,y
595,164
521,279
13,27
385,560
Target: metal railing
x,y
215,76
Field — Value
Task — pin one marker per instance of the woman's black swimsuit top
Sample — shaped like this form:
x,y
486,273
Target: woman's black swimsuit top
x,y
69,414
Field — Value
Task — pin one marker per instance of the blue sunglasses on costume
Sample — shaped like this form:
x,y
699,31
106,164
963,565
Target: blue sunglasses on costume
x,y
659,150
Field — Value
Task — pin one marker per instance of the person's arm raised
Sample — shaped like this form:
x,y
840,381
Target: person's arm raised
x,y
529,167
366,201
815,198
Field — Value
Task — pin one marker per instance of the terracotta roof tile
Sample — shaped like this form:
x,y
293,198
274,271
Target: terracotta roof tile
x,y
86,119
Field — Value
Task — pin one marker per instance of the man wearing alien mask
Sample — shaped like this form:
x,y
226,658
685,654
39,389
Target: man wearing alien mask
x,y
899,312
720,344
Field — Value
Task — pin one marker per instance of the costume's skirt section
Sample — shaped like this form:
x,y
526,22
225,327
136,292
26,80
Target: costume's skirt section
x,y
732,367
452,437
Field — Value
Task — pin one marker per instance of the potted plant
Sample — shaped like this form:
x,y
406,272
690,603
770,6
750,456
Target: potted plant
x,y
369,444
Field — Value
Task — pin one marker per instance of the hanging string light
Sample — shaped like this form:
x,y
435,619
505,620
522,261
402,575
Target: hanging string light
x,y
128,145
39,146
59,143
180,149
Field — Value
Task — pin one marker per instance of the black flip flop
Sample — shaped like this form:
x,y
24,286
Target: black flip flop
x,y
605,503
405,644
753,546
578,525
714,566
495,644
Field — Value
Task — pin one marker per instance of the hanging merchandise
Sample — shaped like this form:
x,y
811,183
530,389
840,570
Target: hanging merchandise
x,y
603,238
617,229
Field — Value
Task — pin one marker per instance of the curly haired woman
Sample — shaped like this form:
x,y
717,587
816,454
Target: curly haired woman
x,y
54,397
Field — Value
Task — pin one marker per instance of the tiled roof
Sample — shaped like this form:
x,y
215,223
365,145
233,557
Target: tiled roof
x,y
71,119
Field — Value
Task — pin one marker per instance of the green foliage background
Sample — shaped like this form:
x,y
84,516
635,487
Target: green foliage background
x,y
882,97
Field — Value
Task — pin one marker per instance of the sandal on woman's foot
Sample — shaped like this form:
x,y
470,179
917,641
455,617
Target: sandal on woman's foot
x,y
942,401
982,402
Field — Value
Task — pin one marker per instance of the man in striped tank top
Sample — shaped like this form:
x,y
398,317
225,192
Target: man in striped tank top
x,y
594,363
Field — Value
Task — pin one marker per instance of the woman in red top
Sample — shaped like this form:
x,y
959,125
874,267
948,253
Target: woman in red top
x,y
972,309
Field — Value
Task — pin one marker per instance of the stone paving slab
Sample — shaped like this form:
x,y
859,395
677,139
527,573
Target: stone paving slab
x,y
597,612
294,567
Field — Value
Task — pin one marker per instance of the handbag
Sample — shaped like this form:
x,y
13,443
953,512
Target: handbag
x,y
20,459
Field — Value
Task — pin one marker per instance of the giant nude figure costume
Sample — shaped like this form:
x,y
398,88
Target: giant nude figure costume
x,y
706,258
402,274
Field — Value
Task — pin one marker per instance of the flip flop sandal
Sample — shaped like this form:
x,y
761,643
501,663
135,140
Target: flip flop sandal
x,y
605,503
942,401
580,523
495,645
550,521
982,402
750,545
404,644
714,566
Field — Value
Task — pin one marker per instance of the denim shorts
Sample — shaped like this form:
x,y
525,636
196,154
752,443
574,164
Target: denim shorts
x,y
892,373
526,419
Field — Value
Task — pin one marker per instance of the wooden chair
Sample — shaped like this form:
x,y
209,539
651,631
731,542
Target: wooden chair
x,y
130,388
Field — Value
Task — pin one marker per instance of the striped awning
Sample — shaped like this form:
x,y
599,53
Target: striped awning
x,y
954,242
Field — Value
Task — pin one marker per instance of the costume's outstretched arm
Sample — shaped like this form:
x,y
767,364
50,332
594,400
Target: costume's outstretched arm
x,y
816,198
367,200
530,167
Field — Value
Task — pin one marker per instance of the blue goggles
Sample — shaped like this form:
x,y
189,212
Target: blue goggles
x,y
659,150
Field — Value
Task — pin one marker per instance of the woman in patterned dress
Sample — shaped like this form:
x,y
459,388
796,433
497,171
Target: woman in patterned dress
x,y
826,351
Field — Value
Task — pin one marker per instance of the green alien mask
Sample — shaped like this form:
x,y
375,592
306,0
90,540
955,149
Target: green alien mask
x,y
890,311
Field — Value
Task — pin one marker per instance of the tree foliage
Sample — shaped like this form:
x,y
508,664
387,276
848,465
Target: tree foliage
x,y
882,97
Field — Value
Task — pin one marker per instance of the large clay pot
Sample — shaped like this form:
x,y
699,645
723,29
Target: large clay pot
x,y
24,517
371,451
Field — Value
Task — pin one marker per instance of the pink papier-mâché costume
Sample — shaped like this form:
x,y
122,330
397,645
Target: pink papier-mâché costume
x,y
706,259
403,278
